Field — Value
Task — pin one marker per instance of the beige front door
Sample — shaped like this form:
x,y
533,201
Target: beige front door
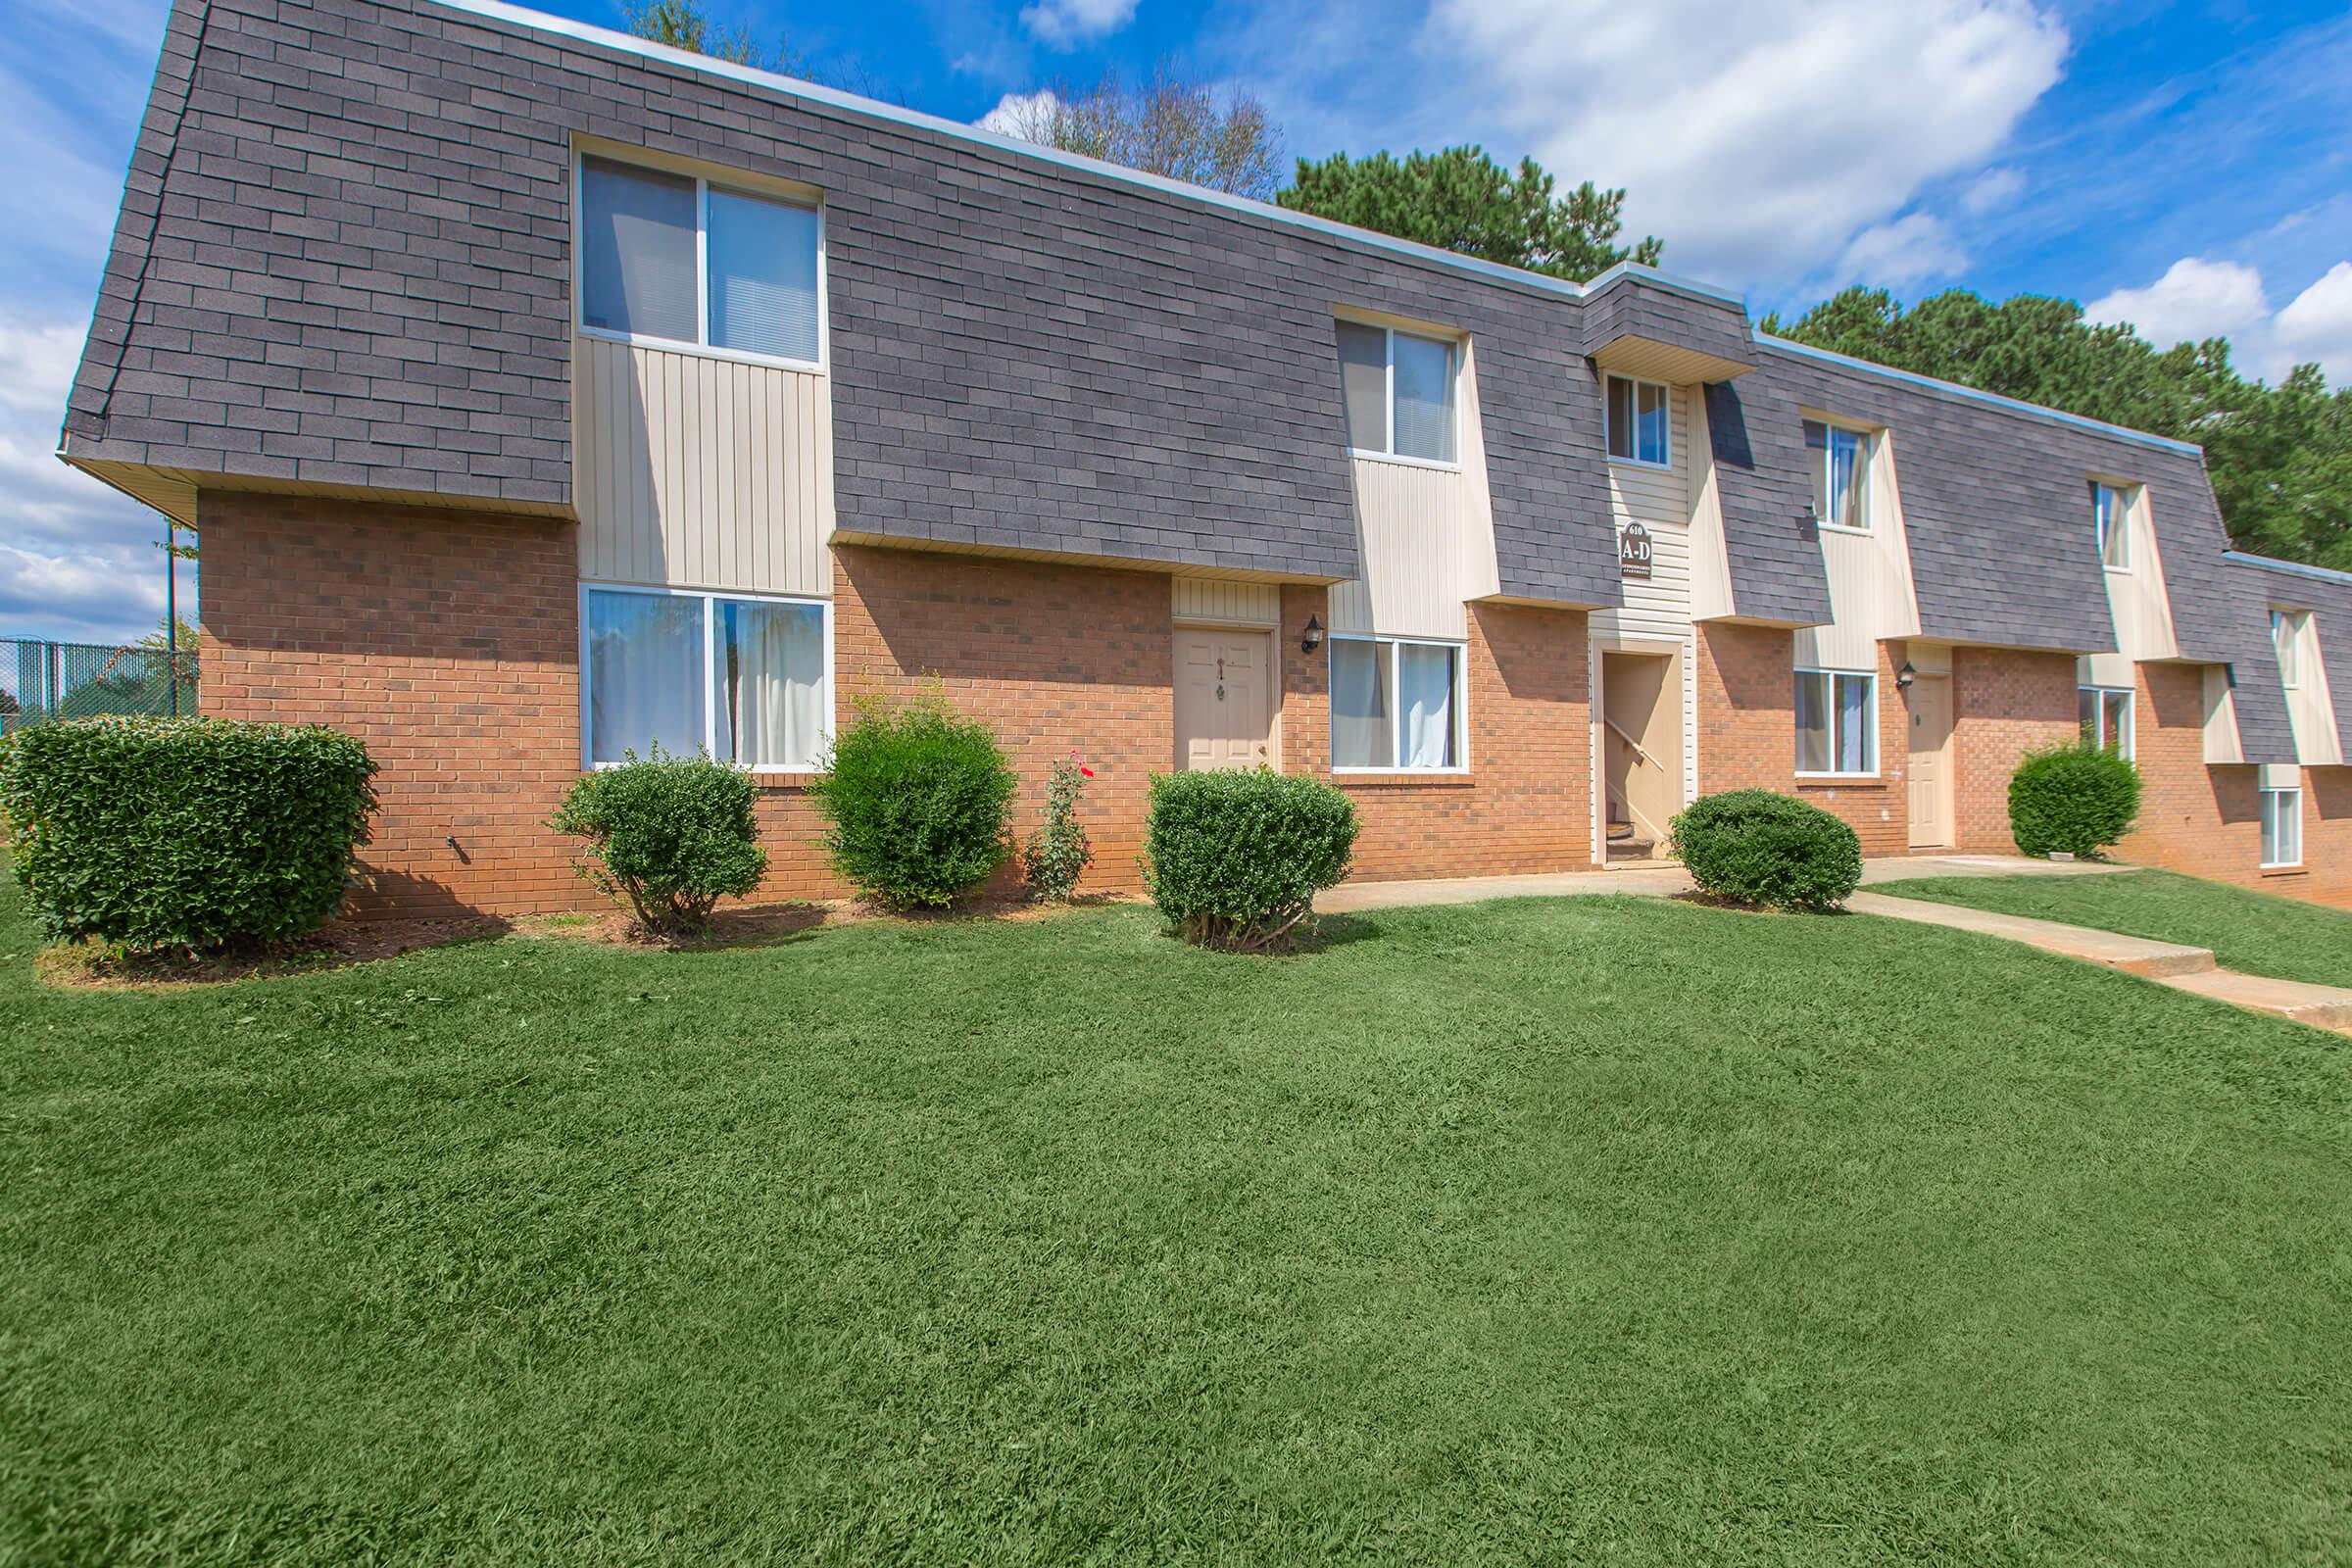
x,y
1930,700
1224,698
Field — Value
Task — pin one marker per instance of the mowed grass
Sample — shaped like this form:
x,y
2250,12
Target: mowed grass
x,y
1589,1230
2250,931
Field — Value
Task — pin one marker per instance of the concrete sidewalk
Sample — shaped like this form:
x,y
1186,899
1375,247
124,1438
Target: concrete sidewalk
x,y
1666,880
2167,964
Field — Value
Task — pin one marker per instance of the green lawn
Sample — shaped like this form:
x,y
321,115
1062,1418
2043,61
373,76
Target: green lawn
x,y
2256,933
1589,1230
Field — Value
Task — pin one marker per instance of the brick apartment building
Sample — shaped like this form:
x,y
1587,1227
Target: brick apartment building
x,y
541,393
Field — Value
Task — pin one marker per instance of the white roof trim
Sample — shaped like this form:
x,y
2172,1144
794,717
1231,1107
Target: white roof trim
x,y
1977,395
2296,568
938,125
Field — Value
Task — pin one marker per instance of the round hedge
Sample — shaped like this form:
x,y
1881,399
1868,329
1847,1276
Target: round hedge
x,y
1235,860
1764,848
2072,800
919,800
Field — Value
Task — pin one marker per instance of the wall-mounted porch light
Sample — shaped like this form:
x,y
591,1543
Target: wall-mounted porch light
x,y
1313,638
1904,676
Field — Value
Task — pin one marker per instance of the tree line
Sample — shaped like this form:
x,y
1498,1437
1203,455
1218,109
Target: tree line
x,y
2279,457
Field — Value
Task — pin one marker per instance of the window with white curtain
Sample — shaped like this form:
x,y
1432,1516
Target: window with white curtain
x,y
2111,509
2287,635
678,258
1397,391
742,678
1837,723
2282,827
1639,425
2106,714
1839,458
1395,704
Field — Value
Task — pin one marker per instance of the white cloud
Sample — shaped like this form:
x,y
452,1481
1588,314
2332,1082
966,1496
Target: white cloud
x,y
1067,23
2317,325
1990,191
1758,141
77,558
1914,247
1026,114
2195,299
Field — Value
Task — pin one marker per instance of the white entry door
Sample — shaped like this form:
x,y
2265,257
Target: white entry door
x,y
1224,698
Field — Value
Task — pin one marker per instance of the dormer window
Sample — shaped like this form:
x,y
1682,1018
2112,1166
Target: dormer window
x,y
2287,635
1638,425
1397,388
1839,458
2111,508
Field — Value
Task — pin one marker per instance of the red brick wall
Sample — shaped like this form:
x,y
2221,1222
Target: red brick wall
x,y
2206,820
449,642
1055,656
2005,703
1526,803
1747,733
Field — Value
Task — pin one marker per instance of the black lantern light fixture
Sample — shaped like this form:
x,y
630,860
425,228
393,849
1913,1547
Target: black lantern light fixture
x,y
1313,638
1904,676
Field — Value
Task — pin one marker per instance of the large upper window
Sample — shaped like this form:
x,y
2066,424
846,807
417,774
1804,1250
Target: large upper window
x,y
1839,458
2112,508
1837,723
744,679
1399,391
1639,430
674,258
2282,827
1396,704
2286,634
2106,714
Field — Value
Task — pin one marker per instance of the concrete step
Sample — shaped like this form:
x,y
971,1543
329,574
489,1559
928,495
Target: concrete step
x,y
2131,954
2320,1006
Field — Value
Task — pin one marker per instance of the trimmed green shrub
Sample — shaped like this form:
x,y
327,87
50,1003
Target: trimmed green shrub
x,y
919,801
668,835
2074,799
1058,853
1762,847
156,833
1235,860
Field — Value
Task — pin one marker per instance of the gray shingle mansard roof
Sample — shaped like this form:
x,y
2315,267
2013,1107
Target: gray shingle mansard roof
x,y
343,259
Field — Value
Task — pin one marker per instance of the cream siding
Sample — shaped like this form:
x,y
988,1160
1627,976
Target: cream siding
x,y
692,470
1425,534
2309,705
2222,742
2136,597
1657,609
1871,597
1220,602
1710,560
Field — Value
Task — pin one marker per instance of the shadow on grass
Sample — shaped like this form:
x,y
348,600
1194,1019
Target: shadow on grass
x,y
338,945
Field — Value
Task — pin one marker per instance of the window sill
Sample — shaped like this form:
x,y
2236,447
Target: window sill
x,y
2298,868
2116,572
1400,775
1642,463
1842,527
1435,465
704,351
1840,778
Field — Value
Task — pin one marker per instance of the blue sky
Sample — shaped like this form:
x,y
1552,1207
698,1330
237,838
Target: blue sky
x,y
2188,168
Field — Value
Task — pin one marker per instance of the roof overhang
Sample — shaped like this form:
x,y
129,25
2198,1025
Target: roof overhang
x,y
1665,362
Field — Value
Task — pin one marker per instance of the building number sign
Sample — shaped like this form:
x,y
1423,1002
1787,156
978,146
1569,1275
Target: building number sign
x,y
1632,550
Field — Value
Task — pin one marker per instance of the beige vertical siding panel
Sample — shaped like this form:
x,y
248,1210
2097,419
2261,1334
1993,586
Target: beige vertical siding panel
x,y
1872,596
2137,599
1658,608
1234,604
700,472
2310,708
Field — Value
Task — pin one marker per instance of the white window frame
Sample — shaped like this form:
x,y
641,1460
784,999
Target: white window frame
x,y
1454,390
2126,497
2127,745
2275,809
1666,401
700,343
1835,676
1869,441
1460,704
709,597
2286,643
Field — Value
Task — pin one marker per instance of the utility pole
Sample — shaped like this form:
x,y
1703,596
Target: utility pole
x,y
171,610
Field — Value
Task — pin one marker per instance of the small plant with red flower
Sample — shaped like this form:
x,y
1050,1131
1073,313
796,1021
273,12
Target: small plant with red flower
x,y
1058,853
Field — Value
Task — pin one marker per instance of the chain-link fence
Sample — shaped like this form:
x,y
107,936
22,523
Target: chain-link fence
x,y
41,681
